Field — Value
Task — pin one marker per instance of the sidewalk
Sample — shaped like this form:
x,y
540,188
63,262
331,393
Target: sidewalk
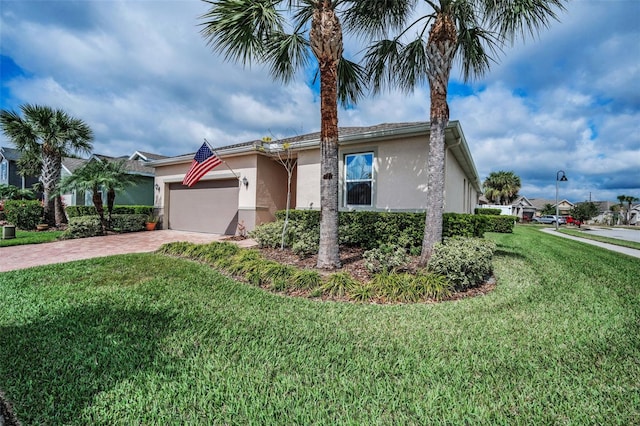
x,y
26,256
612,247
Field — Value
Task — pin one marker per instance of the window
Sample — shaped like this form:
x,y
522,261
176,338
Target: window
x,y
3,171
359,179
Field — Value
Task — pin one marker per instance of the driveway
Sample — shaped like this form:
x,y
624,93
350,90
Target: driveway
x,y
26,256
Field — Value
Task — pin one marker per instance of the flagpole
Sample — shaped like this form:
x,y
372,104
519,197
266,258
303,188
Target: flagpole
x,y
225,163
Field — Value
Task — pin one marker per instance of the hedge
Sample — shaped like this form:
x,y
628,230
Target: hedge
x,y
89,226
369,229
77,211
488,211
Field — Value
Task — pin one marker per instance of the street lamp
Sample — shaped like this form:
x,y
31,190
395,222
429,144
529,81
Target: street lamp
x,y
560,177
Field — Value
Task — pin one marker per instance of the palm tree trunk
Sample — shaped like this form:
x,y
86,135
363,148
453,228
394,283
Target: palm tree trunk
x,y
440,52
111,199
97,202
48,179
326,43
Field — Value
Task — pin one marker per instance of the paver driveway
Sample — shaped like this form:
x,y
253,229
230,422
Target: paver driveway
x,y
26,256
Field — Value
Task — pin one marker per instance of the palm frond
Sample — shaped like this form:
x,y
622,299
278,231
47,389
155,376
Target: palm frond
x,y
380,60
411,68
516,18
239,29
352,82
377,17
286,53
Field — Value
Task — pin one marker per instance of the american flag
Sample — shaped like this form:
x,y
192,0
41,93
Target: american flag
x,y
204,161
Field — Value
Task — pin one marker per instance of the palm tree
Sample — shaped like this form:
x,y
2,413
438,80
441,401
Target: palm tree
x,y
96,176
501,187
629,199
246,30
44,135
472,31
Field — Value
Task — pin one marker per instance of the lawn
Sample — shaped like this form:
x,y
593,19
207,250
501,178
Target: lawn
x,y
31,237
166,341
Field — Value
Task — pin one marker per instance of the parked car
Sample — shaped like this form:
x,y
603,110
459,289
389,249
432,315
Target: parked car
x,y
550,219
569,220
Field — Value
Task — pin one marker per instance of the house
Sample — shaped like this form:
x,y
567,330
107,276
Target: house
x,y
382,168
564,206
139,193
9,169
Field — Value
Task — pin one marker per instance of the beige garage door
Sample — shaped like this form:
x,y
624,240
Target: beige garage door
x,y
209,206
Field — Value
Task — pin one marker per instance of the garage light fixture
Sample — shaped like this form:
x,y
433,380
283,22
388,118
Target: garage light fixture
x,y
245,182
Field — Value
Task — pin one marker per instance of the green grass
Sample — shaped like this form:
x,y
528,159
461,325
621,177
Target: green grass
x,y
31,237
148,339
614,241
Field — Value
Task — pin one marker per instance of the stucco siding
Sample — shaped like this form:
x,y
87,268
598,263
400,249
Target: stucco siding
x,y
455,186
271,194
308,183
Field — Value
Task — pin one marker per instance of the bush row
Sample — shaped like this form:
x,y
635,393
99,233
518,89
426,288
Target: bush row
x,y
89,226
372,229
77,211
255,269
487,211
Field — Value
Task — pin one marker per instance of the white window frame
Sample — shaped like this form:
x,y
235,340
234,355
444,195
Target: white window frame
x,y
347,181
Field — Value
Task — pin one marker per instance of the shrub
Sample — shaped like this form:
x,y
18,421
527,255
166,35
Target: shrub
x,y
487,211
24,214
82,227
128,222
339,284
463,225
502,224
466,262
306,242
306,279
270,234
410,288
386,258
363,292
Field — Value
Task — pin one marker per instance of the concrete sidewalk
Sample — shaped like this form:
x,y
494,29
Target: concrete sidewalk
x,y
26,256
612,247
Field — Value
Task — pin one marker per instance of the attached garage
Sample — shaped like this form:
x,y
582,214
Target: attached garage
x,y
209,206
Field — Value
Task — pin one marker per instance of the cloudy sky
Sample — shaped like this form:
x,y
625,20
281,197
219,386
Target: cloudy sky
x,y
139,73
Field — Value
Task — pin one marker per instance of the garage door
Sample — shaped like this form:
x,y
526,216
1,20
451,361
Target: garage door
x,y
208,206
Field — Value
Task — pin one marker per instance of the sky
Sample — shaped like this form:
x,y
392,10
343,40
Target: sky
x,y
139,73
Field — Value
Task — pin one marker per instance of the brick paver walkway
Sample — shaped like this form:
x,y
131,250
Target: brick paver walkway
x,y
26,256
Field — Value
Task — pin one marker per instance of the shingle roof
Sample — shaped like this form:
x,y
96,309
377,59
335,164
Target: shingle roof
x,y
132,166
10,154
72,164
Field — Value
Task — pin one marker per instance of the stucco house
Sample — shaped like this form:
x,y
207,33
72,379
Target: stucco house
x,y
382,168
521,207
139,193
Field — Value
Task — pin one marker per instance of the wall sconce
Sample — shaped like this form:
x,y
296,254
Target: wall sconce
x,y
245,182
157,187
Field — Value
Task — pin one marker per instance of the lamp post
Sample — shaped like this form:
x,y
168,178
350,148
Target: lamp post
x,y
560,177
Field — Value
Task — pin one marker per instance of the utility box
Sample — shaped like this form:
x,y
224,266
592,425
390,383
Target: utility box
x,y
8,232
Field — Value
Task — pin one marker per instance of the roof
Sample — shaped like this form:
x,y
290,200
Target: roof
x,y
11,154
72,164
146,156
132,166
541,203
455,140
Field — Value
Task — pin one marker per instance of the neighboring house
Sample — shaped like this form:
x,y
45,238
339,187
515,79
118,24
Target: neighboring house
x,y
564,206
605,214
634,217
521,207
9,169
382,168
139,193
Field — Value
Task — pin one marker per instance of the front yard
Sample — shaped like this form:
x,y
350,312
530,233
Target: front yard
x,y
149,339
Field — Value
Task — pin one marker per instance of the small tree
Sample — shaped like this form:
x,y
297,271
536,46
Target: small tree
x,y
584,211
283,154
549,209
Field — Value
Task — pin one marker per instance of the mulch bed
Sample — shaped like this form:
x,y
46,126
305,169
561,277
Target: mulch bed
x,y
7,418
353,263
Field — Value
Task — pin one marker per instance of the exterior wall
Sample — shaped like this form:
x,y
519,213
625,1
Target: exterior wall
x,y
139,193
399,180
271,193
308,182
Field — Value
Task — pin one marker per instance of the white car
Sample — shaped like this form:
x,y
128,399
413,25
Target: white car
x,y
550,219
